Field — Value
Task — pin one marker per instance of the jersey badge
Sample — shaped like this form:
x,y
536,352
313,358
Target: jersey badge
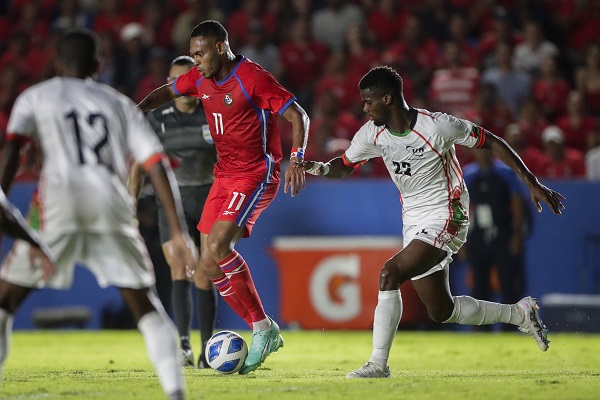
x,y
228,99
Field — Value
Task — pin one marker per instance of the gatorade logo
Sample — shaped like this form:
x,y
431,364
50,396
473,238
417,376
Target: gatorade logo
x,y
334,288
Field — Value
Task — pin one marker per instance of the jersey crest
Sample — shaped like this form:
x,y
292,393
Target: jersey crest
x,y
228,99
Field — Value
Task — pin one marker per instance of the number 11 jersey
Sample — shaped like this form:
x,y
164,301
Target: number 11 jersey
x,y
241,111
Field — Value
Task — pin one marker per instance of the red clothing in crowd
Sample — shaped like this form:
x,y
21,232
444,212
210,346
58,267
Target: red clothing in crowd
x,y
577,133
572,165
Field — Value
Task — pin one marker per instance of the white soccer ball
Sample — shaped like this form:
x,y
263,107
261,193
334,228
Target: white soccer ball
x,y
226,352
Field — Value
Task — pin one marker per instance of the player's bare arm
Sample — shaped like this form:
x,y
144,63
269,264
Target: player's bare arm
x,y
294,174
134,183
158,97
164,183
334,169
538,191
9,163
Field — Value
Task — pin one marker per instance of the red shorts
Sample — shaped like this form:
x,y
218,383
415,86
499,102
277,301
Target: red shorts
x,y
237,200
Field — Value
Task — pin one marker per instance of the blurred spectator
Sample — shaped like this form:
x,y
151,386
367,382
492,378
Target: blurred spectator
x,y
435,16
11,85
158,69
577,124
560,161
259,49
238,23
330,23
286,12
530,54
490,110
32,23
362,54
588,79
386,21
337,80
16,54
532,122
592,160
132,57
531,156
158,22
199,11
550,89
498,227
70,15
112,17
513,86
454,87
301,59
108,58
414,54
459,34
502,31
329,123
580,20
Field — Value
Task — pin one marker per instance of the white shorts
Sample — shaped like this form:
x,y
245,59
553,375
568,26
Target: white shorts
x,y
440,234
114,259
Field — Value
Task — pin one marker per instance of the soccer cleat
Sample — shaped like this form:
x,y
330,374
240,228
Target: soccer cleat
x,y
264,343
187,358
533,323
370,370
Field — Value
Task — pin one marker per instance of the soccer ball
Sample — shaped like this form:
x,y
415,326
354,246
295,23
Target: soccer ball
x,y
226,352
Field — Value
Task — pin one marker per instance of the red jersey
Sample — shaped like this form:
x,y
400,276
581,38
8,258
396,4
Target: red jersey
x,y
240,111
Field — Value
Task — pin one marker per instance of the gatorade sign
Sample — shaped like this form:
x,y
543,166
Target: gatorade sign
x,y
331,282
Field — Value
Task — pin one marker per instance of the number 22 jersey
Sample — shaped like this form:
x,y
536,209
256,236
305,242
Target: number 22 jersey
x,y
241,111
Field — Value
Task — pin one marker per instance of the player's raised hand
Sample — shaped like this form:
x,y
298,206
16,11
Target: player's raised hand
x,y
540,192
294,177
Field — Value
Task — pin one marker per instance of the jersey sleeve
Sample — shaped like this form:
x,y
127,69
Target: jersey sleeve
x,y
22,117
461,131
141,140
187,84
268,94
362,147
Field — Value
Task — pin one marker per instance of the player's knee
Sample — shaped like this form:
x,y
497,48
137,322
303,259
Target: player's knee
x,y
439,313
390,277
218,247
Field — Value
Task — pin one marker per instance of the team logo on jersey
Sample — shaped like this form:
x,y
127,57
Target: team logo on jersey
x,y
228,99
205,97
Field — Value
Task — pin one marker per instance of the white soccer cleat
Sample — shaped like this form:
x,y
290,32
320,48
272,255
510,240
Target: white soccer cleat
x,y
533,323
370,370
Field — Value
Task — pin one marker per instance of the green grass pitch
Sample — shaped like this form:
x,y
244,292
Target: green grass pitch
x,y
311,366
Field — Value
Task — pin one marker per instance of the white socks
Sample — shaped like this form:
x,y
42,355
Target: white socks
x,y
385,324
6,322
470,311
160,336
261,325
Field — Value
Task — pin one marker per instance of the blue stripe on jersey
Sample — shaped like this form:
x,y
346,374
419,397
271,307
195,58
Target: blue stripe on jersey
x,y
286,105
251,205
174,84
198,82
233,71
263,119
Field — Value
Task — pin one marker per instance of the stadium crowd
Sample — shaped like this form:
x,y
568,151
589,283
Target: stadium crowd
x,y
529,70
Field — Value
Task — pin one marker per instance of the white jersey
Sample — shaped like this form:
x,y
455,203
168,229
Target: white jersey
x,y
88,133
422,163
